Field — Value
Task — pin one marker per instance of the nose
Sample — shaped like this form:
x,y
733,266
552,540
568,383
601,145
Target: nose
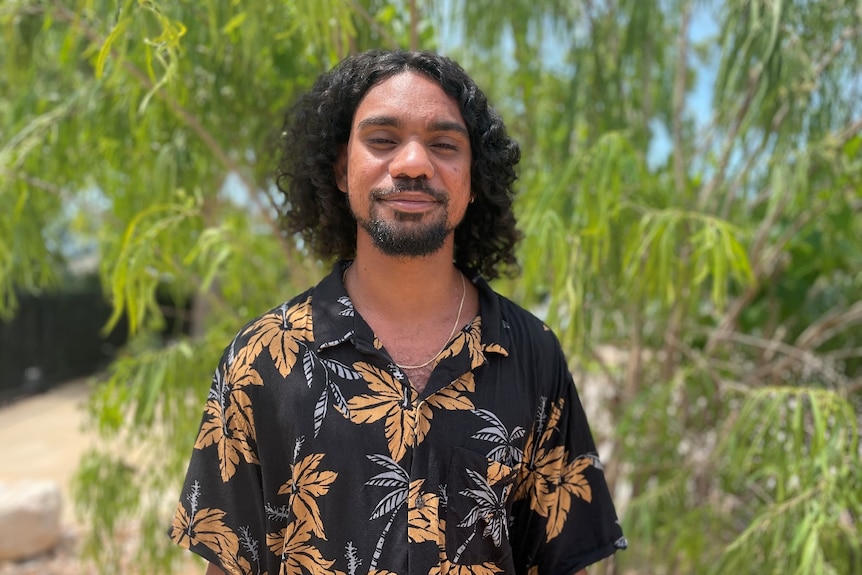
x,y
411,161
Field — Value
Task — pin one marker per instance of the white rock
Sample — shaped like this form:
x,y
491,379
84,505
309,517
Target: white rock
x,y
29,518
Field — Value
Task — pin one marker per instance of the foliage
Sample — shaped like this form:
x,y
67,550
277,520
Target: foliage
x,y
726,276
710,237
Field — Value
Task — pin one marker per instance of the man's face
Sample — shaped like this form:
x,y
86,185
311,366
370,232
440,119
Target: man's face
x,y
406,166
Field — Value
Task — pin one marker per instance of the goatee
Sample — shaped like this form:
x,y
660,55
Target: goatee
x,y
406,235
416,242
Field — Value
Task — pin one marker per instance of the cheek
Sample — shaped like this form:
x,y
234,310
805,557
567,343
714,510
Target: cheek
x,y
364,170
460,179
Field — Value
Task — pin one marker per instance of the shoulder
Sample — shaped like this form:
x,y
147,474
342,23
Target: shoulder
x,y
274,330
291,314
531,345
524,326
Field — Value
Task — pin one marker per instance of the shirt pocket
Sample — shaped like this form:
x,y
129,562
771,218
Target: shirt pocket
x,y
478,509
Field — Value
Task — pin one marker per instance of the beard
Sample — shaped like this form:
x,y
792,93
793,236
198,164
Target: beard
x,y
407,234
415,240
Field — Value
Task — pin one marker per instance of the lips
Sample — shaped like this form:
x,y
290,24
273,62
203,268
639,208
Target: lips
x,y
409,200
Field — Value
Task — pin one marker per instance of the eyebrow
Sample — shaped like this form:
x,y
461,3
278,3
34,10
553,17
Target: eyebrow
x,y
437,126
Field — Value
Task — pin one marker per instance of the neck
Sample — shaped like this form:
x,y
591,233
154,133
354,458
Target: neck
x,y
401,287
413,305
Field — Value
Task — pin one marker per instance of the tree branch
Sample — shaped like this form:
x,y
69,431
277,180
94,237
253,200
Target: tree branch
x,y
187,118
790,353
41,184
375,25
679,85
727,150
414,26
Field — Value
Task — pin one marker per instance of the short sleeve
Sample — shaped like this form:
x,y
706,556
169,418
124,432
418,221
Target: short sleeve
x,y
221,515
564,517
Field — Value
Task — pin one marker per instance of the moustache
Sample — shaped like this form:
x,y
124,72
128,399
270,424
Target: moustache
x,y
410,185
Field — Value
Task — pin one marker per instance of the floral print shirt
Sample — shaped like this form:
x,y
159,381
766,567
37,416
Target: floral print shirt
x,y
316,456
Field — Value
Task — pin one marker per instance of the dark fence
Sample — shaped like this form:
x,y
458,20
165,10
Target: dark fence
x,y
53,338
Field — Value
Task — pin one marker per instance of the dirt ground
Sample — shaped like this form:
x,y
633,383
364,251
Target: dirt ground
x,y
42,438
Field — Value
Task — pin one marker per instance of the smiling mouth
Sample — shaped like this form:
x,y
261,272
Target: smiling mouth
x,y
405,202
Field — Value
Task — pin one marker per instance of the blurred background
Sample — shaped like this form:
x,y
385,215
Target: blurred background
x,y
690,193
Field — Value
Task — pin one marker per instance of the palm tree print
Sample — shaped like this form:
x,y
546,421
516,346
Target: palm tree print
x,y
329,387
293,543
471,338
533,451
206,526
557,492
279,332
394,401
489,508
299,556
423,514
447,567
306,484
229,420
506,452
396,478
453,397
546,478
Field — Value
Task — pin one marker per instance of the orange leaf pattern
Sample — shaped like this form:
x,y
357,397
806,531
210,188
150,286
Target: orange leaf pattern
x,y
422,514
304,487
205,527
229,424
391,401
280,332
300,557
548,481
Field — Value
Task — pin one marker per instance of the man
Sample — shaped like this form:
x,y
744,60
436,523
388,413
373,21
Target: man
x,y
400,417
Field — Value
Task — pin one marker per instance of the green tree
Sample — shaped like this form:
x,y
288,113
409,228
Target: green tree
x,y
725,275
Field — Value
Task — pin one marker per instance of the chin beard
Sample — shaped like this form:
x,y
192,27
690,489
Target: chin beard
x,y
407,234
394,240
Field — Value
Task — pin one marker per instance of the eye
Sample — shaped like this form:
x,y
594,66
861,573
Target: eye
x,y
380,145
446,146
380,140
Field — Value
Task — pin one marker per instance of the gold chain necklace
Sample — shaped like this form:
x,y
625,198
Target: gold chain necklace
x,y
452,333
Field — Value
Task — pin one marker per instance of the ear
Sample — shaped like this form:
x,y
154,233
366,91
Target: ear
x,y
340,169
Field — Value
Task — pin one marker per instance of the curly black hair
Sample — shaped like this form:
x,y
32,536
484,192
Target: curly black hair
x,y
319,123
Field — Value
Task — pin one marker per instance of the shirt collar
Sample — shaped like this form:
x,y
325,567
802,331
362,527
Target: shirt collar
x,y
335,321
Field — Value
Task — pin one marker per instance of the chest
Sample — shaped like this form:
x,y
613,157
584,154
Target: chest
x,y
419,376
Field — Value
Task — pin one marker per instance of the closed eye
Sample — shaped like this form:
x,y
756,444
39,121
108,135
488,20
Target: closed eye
x,y
380,142
448,145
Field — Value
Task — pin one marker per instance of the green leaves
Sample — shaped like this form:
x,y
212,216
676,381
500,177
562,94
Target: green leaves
x,y
797,448
145,260
105,51
600,222
673,249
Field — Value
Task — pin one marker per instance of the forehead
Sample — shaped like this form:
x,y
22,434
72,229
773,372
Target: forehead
x,y
408,97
